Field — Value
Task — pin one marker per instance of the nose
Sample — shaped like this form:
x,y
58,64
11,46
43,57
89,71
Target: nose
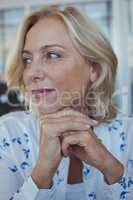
x,y
37,77
36,72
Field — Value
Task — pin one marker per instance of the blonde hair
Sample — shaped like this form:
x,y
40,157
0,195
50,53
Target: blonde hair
x,y
90,42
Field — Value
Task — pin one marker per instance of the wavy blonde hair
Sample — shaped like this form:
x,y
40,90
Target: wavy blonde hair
x,y
90,42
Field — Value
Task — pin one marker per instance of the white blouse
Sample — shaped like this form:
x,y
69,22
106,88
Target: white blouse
x,y
75,192
19,149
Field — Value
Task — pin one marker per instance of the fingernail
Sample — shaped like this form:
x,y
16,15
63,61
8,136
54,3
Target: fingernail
x,y
95,122
88,126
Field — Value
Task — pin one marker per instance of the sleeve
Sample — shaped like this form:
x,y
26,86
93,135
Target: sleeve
x,y
126,182
15,185
30,191
124,188
11,187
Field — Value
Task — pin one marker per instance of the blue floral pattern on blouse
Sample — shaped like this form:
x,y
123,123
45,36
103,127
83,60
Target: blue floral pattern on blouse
x,y
18,155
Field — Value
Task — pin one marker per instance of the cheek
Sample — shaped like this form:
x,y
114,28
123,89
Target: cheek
x,y
26,79
72,78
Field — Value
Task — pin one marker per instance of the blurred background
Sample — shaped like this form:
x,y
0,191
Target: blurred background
x,y
115,17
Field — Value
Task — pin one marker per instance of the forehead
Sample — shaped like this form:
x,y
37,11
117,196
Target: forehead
x,y
47,31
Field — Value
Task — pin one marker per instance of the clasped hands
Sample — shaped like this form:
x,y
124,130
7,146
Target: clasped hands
x,y
70,132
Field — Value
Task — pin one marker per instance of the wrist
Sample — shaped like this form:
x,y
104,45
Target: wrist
x,y
42,177
113,171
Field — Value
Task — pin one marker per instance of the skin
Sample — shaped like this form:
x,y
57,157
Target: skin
x,y
64,129
68,72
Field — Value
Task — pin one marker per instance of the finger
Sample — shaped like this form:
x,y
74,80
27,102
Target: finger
x,y
69,112
65,134
69,141
69,133
57,127
66,119
41,134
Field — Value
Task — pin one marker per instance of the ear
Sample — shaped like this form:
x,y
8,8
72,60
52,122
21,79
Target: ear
x,y
93,73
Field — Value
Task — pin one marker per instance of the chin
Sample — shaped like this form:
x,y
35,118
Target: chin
x,y
48,109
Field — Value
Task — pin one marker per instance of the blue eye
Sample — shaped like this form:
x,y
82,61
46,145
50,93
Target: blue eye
x,y
52,55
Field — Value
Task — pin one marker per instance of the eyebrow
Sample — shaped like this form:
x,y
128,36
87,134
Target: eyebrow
x,y
43,48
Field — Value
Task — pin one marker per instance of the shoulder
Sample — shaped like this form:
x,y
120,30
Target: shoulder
x,y
18,135
117,135
121,123
16,116
19,124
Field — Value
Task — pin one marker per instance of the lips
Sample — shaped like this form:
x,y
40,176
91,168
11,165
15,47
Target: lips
x,y
42,91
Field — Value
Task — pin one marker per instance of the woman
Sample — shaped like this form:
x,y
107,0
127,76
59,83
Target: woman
x,y
73,144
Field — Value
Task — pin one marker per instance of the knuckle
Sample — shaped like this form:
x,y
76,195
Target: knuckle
x,y
86,136
65,140
72,118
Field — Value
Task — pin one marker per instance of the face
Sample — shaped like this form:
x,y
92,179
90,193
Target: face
x,y
55,74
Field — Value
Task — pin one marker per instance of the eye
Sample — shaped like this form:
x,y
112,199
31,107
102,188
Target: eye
x,y
52,55
27,60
